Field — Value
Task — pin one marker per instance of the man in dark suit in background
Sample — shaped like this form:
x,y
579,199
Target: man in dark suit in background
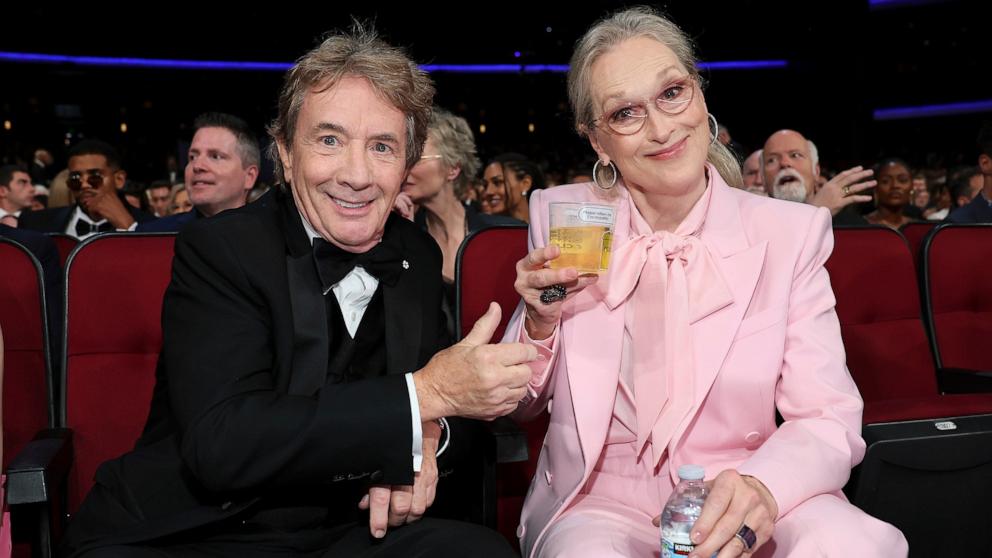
x,y
221,169
300,386
95,179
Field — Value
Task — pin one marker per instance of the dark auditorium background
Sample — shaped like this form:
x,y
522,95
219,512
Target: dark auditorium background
x,y
845,60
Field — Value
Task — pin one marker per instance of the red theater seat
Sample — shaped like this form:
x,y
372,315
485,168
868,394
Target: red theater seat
x,y
115,285
957,266
485,272
27,396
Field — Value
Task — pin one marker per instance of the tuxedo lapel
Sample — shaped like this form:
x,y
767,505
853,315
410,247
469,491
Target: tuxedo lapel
x,y
404,304
310,334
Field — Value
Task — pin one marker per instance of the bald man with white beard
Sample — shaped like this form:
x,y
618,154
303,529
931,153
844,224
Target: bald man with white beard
x,y
791,167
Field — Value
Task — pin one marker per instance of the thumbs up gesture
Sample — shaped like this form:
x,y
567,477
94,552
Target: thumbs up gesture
x,y
475,379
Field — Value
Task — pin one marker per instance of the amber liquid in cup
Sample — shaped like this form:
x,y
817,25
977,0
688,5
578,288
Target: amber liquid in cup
x,y
584,234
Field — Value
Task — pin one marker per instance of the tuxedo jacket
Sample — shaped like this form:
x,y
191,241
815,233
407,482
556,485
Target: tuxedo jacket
x,y
242,408
56,219
171,223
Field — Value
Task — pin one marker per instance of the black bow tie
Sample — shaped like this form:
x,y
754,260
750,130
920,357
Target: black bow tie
x,y
84,228
384,262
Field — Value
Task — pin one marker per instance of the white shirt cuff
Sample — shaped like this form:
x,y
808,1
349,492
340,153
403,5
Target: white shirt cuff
x,y
418,431
132,228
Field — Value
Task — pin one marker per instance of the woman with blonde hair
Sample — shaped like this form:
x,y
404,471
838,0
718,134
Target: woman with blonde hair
x,y
715,312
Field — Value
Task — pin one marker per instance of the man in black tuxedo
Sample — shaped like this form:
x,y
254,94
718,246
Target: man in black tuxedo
x,y
95,178
300,385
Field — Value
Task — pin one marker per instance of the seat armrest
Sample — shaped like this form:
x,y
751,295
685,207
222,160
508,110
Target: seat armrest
x,y
960,380
510,440
39,469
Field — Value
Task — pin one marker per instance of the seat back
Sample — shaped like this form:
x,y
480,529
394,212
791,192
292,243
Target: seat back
x,y
65,244
914,234
958,274
115,284
27,390
485,270
872,275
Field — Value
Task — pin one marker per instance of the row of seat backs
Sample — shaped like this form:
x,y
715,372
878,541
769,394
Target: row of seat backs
x,y
114,286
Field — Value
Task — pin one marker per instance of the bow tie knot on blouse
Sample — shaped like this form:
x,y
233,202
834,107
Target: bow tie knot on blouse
x,y
671,280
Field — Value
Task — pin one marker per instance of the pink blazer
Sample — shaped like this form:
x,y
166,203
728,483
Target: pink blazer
x,y
778,344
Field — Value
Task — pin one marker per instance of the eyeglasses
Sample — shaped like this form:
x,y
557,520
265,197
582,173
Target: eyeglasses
x,y
75,180
629,118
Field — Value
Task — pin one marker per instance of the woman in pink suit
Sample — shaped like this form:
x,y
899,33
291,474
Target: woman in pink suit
x,y
716,310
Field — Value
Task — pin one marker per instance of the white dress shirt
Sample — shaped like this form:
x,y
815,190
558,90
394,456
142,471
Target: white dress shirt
x,y
79,214
354,292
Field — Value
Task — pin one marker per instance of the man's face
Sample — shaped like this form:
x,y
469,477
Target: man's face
x,y
789,171
347,162
94,175
19,192
158,200
753,175
216,177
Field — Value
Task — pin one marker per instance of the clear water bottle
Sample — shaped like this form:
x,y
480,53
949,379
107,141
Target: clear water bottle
x,y
682,511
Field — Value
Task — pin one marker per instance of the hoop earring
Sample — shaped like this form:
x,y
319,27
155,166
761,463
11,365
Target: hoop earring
x,y
595,174
716,128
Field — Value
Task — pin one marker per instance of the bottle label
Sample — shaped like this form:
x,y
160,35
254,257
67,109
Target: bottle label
x,y
674,546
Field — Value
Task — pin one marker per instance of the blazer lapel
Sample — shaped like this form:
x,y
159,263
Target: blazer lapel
x,y
741,264
594,343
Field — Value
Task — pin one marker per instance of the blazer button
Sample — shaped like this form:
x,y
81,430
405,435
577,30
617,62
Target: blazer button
x,y
226,505
752,438
548,476
550,402
520,531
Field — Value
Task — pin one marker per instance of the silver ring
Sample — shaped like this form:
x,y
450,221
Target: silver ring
x,y
747,537
553,294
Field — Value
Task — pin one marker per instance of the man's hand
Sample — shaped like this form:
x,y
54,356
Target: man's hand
x,y
392,506
841,191
474,379
102,204
404,206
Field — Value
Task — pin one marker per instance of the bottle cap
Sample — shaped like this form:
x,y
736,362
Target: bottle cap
x,y
692,472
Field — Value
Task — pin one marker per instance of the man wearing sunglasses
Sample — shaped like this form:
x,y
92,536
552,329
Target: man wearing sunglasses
x,y
95,178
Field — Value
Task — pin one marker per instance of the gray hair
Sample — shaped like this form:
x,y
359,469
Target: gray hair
x,y
454,141
814,154
359,53
615,29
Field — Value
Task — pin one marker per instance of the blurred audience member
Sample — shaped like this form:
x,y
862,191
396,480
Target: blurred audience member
x,y
521,178
95,179
893,194
40,199
222,167
42,170
16,193
941,206
791,167
494,187
158,197
179,200
58,191
754,177
979,209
